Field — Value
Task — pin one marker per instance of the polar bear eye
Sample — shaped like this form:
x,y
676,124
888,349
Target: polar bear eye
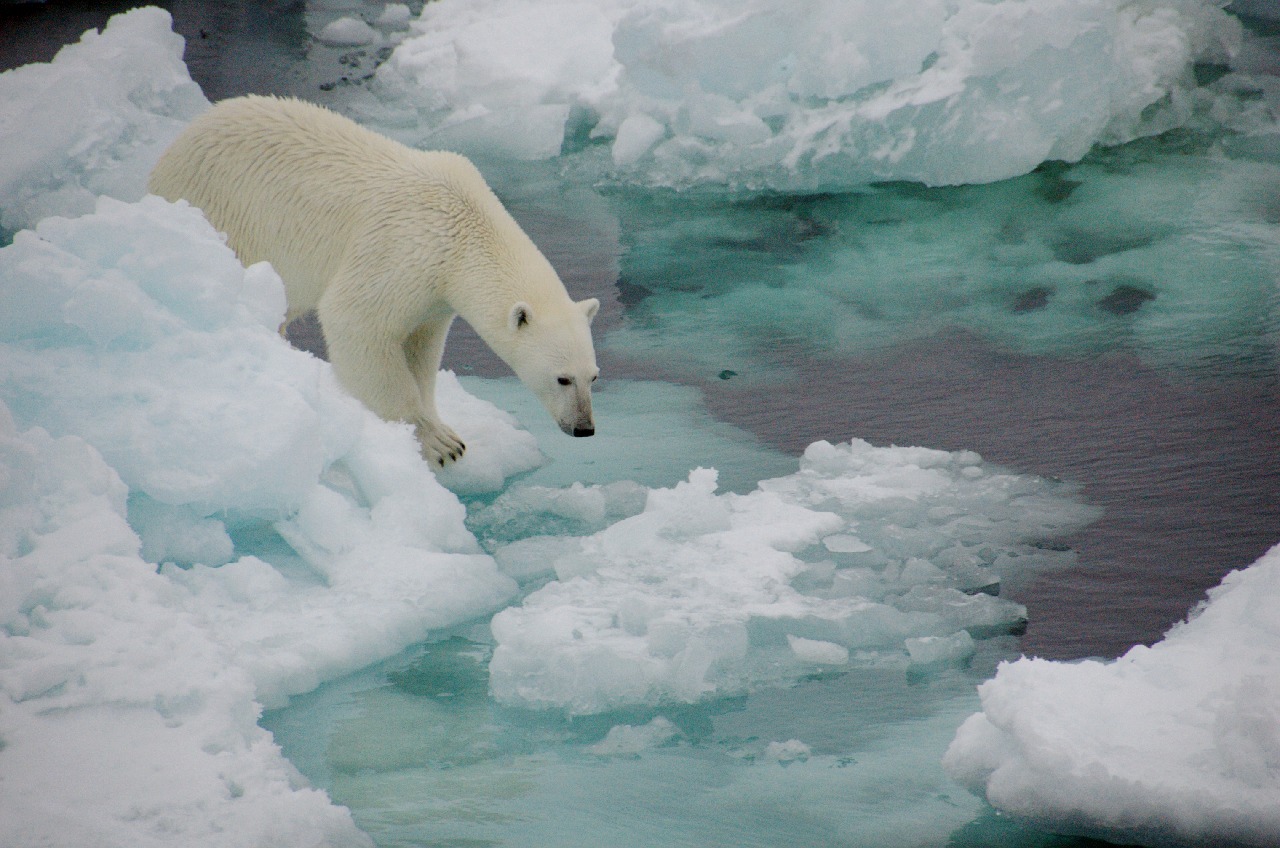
x,y
564,381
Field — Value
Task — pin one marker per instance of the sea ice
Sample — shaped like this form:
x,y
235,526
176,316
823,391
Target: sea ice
x,y
94,120
347,32
704,595
829,94
127,719
197,522
1176,744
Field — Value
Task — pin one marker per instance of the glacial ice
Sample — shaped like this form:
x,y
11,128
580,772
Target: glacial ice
x,y
823,95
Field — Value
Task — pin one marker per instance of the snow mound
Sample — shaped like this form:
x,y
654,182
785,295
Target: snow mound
x,y
703,595
824,95
1176,744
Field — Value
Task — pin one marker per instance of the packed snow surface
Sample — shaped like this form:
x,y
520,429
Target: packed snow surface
x,y
1176,744
815,95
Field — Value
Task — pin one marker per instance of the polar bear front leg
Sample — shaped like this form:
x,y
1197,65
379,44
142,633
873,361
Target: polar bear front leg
x,y
423,350
371,363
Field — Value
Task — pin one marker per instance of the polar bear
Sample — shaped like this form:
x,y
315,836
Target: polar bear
x,y
388,244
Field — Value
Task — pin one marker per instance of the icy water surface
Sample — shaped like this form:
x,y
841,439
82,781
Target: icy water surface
x,y
1007,319
1110,324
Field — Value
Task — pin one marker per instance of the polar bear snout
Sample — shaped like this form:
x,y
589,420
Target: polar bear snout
x,y
580,425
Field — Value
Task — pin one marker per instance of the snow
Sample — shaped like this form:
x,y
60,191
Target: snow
x,y
197,524
828,94
196,521
293,537
126,719
1176,744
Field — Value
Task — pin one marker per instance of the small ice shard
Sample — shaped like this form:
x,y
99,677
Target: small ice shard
x,y
817,651
843,543
786,752
628,740
935,650
347,32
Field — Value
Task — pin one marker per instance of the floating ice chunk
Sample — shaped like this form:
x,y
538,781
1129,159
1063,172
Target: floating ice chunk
x,y
1176,744
843,543
636,135
395,15
819,653
94,120
347,32
786,752
627,740
705,594
935,650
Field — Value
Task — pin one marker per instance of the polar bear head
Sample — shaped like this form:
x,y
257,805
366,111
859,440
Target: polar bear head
x,y
552,354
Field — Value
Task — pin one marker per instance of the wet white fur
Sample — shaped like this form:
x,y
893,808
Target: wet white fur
x,y
388,243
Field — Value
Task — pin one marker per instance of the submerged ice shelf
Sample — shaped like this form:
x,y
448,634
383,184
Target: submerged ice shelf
x,y
1163,249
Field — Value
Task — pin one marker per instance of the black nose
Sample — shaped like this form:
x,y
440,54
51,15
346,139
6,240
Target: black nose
x,y
584,431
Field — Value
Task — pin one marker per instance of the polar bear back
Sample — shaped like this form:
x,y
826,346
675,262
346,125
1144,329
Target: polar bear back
x,y
304,188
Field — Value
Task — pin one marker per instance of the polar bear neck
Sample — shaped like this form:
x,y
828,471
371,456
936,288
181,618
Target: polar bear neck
x,y
495,264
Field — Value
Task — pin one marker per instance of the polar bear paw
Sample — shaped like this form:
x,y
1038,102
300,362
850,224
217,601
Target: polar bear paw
x,y
438,444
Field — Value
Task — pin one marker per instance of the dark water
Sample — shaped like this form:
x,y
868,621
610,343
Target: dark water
x,y
1186,467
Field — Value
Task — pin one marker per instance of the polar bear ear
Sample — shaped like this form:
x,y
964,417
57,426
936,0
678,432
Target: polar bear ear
x,y
520,315
589,308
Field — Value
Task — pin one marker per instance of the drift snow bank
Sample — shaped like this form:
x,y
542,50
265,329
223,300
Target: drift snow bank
x,y
703,595
141,364
818,95
1176,744
94,120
